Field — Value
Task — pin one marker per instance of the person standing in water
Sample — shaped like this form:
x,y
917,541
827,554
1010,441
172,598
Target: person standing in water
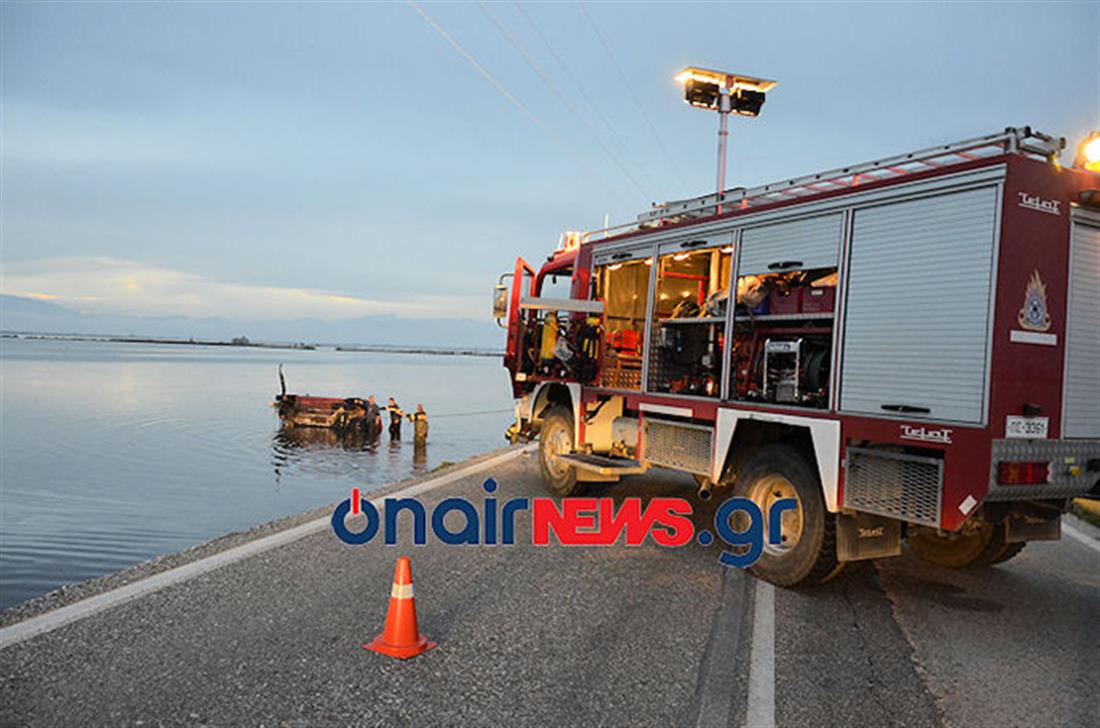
x,y
395,418
373,418
420,424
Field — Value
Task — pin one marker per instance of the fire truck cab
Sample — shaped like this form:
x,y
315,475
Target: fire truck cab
x,y
909,348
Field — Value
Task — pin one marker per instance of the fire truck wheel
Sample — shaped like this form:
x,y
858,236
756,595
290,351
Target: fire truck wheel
x,y
983,545
556,438
807,553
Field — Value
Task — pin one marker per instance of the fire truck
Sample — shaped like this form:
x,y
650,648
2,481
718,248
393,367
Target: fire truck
x,y
909,348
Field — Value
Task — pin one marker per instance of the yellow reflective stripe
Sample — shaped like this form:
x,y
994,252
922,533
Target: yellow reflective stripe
x,y
402,591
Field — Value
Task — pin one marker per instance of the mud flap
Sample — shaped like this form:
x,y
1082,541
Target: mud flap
x,y
866,536
1020,528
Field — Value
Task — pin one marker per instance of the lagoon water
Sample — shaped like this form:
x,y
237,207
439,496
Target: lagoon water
x,y
112,453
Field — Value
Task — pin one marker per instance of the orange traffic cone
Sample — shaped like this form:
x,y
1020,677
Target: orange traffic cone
x,y
401,637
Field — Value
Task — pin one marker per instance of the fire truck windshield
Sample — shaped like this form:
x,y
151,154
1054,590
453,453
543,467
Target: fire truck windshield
x,y
557,284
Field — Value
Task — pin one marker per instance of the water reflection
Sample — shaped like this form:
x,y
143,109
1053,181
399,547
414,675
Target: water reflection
x,y
307,447
289,439
311,448
420,456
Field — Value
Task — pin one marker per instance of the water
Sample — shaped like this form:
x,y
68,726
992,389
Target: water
x,y
112,453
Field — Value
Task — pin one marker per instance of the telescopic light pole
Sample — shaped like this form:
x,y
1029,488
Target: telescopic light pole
x,y
726,93
723,136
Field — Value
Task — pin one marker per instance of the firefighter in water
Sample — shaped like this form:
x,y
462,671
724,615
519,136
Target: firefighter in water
x,y
395,418
373,418
420,424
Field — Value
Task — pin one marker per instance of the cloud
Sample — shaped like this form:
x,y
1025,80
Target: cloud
x,y
111,285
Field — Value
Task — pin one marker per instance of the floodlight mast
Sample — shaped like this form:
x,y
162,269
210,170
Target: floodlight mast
x,y
725,93
723,136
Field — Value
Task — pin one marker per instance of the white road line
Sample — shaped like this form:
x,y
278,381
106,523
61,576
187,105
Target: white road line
x,y
21,631
760,712
1072,532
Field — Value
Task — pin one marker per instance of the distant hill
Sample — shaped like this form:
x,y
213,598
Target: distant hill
x,y
31,315
18,305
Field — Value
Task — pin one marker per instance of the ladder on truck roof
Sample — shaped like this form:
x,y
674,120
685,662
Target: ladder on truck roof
x,y
1013,140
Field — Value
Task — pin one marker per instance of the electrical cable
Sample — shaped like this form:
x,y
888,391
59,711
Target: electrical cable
x,y
630,90
581,90
582,159
480,68
533,64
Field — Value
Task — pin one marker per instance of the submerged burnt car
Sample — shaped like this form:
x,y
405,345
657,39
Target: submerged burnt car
x,y
347,414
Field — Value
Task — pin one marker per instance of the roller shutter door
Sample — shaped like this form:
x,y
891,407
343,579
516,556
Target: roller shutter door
x,y
1081,415
805,244
918,307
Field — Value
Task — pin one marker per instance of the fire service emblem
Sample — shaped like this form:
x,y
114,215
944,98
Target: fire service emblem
x,y
1033,316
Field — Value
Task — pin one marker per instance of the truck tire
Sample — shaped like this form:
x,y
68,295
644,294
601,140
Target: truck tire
x,y
556,438
978,548
808,552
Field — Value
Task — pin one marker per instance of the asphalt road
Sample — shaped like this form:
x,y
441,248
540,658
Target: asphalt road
x,y
576,635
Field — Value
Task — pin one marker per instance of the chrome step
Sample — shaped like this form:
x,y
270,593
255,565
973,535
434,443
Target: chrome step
x,y
602,465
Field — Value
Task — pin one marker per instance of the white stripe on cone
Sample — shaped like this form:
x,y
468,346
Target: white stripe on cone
x,y
402,591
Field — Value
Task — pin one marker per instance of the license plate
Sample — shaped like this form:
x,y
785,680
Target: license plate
x,y
1032,428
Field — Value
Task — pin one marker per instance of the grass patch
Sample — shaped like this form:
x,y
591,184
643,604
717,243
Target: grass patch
x,y
442,466
1087,510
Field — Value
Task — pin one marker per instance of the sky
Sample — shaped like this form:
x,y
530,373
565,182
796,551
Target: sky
x,y
281,161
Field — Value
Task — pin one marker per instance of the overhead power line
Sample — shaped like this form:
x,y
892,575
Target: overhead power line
x,y
495,83
630,90
480,68
534,65
584,94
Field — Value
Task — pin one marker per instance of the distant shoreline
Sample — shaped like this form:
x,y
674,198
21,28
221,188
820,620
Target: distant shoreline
x,y
417,350
245,343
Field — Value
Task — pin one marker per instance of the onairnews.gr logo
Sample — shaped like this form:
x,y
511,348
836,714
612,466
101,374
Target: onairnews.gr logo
x,y
573,522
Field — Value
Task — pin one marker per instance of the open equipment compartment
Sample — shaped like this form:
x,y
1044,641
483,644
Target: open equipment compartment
x,y
786,302
690,298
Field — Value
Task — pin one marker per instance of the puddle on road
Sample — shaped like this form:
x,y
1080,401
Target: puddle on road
x,y
951,596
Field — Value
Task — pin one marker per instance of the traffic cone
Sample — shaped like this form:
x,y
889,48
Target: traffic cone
x,y
401,638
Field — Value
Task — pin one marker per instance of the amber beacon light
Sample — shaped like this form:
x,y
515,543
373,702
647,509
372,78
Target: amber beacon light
x,y
1088,153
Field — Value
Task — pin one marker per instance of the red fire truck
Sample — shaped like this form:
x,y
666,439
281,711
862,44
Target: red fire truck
x,y
910,348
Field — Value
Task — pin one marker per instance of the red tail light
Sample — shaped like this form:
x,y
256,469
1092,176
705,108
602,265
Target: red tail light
x,y
1027,473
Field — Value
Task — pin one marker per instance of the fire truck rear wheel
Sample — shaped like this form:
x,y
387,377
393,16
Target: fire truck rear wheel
x,y
807,553
983,545
556,438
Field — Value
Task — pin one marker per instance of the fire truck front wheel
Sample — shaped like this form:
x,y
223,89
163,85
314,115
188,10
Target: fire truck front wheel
x,y
806,552
556,438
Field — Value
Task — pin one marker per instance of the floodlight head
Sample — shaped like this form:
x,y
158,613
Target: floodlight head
x,y
726,93
726,81
702,94
746,103
704,89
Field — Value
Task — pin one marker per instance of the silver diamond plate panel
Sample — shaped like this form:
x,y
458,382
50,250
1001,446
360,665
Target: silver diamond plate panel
x,y
1062,454
678,445
906,487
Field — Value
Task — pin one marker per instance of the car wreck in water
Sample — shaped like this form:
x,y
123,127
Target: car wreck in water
x,y
350,414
